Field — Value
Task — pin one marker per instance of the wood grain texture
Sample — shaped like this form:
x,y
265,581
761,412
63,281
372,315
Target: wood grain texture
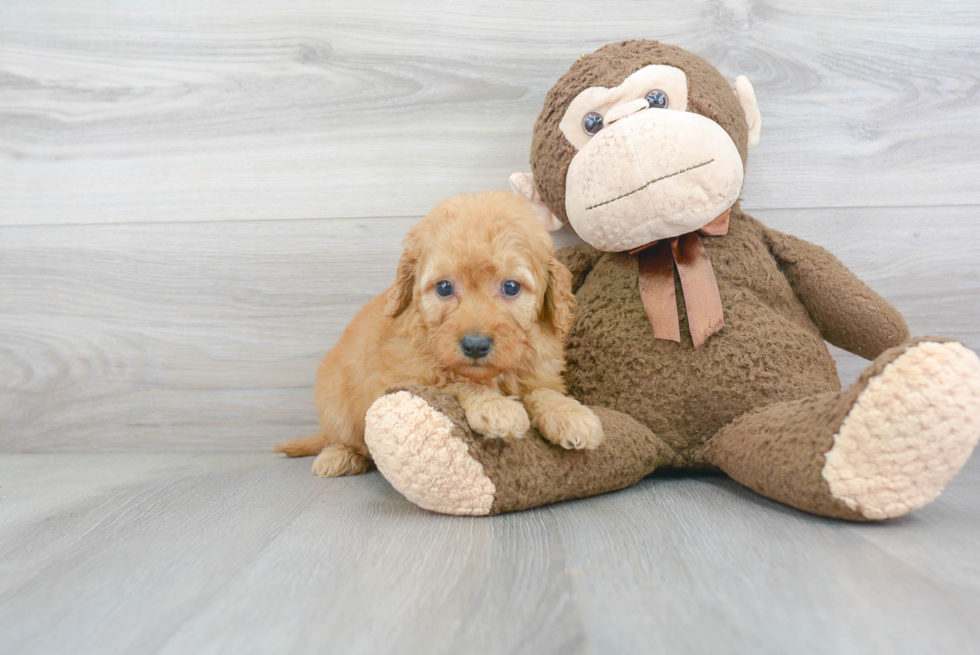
x,y
207,335
153,297
768,578
249,553
258,110
144,552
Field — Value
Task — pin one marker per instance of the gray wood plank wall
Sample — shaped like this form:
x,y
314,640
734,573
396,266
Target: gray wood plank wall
x,y
196,197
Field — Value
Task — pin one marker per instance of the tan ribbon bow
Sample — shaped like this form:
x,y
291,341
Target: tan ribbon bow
x,y
656,267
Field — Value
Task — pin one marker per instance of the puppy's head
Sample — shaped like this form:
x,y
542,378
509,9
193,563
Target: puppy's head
x,y
481,278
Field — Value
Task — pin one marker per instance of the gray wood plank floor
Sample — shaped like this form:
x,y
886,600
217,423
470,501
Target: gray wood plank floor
x,y
249,553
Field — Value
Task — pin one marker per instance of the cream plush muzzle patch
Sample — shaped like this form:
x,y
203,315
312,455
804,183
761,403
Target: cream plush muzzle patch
x,y
653,175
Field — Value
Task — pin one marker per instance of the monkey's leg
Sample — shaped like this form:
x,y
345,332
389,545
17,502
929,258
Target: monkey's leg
x,y
421,443
880,449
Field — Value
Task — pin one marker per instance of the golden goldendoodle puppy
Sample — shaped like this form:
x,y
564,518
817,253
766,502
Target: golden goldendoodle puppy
x,y
480,308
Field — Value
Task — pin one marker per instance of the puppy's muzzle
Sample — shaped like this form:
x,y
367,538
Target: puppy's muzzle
x,y
476,346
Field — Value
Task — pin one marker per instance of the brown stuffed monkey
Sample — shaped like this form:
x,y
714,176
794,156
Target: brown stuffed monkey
x,y
699,335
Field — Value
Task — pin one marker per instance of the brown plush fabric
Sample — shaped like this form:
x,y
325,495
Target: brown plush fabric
x,y
709,94
579,260
781,298
765,385
760,399
779,450
530,472
848,313
769,351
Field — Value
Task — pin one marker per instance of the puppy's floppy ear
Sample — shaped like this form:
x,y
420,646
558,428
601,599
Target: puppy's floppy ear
x,y
559,301
399,296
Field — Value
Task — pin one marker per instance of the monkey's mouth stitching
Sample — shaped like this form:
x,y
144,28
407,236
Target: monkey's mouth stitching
x,y
704,163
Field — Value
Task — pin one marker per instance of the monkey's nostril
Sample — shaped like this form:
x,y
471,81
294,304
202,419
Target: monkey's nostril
x,y
476,346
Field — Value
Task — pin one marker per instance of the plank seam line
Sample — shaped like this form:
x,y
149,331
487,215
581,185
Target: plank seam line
x,y
930,207
204,603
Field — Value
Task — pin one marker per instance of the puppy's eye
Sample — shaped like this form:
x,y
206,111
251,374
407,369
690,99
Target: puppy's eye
x,y
592,123
444,288
657,99
511,288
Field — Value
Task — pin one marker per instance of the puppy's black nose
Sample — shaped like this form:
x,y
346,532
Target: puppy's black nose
x,y
476,345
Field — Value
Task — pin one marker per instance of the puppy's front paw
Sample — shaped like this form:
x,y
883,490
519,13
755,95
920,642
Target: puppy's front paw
x,y
498,417
571,425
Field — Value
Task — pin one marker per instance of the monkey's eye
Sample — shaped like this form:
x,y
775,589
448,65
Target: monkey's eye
x,y
592,123
444,288
657,99
511,288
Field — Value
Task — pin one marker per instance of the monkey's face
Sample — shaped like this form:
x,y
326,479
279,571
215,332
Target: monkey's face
x,y
656,154
646,168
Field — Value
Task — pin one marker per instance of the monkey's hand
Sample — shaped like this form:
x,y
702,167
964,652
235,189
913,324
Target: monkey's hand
x,y
845,310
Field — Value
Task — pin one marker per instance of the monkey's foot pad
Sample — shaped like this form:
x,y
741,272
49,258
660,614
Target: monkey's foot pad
x,y
909,432
417,450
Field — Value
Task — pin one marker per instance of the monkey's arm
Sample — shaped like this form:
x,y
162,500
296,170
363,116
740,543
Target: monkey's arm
x,y
848,313
579,260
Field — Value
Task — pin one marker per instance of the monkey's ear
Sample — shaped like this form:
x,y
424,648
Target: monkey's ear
x,y
746,97
523,185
